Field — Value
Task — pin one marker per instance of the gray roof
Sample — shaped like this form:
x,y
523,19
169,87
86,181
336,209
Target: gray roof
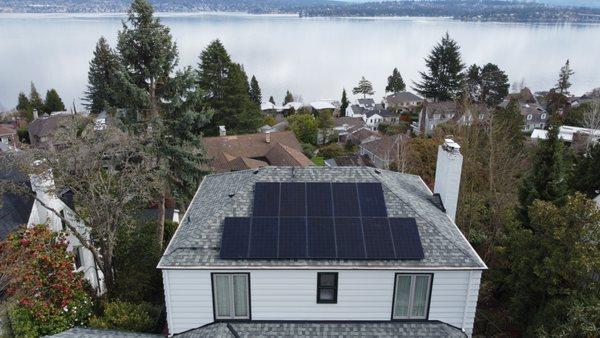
x,y
324,329
84,332
14,208
401,97
380,112
368,103
197,240
357,110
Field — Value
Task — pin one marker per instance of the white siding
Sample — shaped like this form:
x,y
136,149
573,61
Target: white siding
x,y
291,295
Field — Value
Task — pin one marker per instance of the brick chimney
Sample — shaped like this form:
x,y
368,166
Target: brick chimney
x,y
222,131
447,175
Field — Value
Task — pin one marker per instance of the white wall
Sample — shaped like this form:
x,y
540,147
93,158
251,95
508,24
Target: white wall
x,y
291,295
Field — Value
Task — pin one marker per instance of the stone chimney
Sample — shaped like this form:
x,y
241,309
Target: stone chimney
x,y
268,136
35,114
447,175
222,131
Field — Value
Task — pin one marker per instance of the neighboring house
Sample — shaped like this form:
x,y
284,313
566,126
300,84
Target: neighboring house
x,y
295,251
568,134
375,117
361,135
8,137
383,150
534,116
293,106
238,152
268,106
435,113
346,125
61,201
349,161
322,105
402,100
43,128
281,126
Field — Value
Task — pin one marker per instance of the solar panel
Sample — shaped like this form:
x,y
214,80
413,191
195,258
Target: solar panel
x,y
407,241
292,237
264,237
345,200
266,199
321,238
318,200
349,238
372,203
236,235
293,200
378,239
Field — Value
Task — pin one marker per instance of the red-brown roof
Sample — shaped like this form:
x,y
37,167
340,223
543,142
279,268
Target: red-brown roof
x,y
6,130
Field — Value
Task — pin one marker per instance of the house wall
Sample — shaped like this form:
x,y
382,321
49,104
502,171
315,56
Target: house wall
x,y
291,295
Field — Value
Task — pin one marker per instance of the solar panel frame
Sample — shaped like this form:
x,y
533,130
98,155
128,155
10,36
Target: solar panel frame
x,y
349,238
345,200
321,240
264,237
266,199
407,241
371,200
319,199
292,199
235,239
292,237
378,238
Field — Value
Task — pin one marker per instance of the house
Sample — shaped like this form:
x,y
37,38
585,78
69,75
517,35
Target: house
x,y
43,128
361,135
8,137
375,117
295,251
353,160
383,150
281,126
322,105
568,134
435,113
534,115
239,152
269,106
345,125
402,100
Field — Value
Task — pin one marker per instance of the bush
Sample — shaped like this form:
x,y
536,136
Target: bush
x,y
119,315
308,149
23,135
331,151
270,120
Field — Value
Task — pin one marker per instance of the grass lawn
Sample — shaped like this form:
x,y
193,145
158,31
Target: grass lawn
x,y
318,160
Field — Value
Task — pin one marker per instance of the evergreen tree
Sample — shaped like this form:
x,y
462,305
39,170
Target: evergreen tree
x,y
272,100
24,107
35,100
288,98
255,93
345,103
395,82
443,80
494,85
473,82
564,79
212,73
586,172
245,114
53,102
103,75
148,54
364,87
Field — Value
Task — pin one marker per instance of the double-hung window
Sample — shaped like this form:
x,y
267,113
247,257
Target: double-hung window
x,y
231,296
411,296
327,285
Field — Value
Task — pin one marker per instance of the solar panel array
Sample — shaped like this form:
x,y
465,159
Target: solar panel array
x,y
318,220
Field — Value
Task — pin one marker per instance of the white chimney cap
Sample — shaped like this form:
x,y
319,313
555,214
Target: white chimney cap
x,y
451,144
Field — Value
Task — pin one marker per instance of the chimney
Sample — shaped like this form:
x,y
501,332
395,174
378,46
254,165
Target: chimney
x,y
447,175
268,136
222,131
35,114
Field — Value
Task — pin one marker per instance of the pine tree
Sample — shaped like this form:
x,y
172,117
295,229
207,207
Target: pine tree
x,y
443,80
345,103
53,102
101,93
149,55
212,72
564,79
272,100
244,113
494,85
255,93
364,87
24,107
288,98
35,100
395,82
473,82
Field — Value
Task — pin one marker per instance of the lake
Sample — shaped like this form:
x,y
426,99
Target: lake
x,y
313,57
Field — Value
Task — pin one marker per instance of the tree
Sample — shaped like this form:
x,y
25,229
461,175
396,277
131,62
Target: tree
x,y
50,296
272,100
325,123
395,82
494,85
591,120
148,54
53,102
288,98
305,127
364,87
255,94
443,79
564,79
24,107
473,82
345,103
35,100
586,172
103,79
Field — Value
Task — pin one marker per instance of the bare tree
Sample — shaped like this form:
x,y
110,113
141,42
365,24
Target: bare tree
x,y
591,120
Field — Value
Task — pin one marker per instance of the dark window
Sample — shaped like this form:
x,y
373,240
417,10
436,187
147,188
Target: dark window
x,y
78,258
62,222
327,285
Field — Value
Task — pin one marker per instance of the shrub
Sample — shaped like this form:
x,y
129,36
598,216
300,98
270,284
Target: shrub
x,y
23,135
119,315
308,149
331,151
270,120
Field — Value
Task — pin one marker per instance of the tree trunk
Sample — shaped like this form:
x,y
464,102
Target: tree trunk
x,y
107,271
152,94
160,228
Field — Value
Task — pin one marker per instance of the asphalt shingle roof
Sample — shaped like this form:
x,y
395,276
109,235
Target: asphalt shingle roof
x,y
196,243
84,332
325,329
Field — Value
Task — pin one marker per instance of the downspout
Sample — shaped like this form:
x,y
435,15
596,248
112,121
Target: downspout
x,y
469,287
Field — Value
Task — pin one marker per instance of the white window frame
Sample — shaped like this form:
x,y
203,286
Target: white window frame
x,y
529,117
543,116
231,298
413,279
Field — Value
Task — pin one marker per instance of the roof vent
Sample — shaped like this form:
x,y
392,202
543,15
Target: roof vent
x,y
231,194
377,171
256,171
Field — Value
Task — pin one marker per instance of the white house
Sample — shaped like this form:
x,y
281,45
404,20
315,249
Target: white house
x,y
568,133
350,250
47,197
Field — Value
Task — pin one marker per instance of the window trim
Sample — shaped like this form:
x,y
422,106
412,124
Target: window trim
x,y
214,304
412,288
335,288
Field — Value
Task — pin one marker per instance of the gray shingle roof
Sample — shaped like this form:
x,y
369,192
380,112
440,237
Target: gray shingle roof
x,y
325,329
196,242
84,332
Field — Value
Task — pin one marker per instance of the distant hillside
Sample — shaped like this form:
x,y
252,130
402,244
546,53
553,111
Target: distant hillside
x,y
578,3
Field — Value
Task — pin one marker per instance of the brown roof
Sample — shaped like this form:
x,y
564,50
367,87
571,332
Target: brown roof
x,y
283,149
242,163
362,134
48,125
349,121
385,147
6,130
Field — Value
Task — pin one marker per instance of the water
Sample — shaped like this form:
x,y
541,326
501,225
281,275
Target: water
x,y
313,57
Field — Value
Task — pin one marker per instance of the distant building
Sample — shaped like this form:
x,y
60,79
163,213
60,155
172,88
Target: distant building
x,y
402,100
383,150
435,113
238,152
8,138
42,129
534,115
372,113
568,134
